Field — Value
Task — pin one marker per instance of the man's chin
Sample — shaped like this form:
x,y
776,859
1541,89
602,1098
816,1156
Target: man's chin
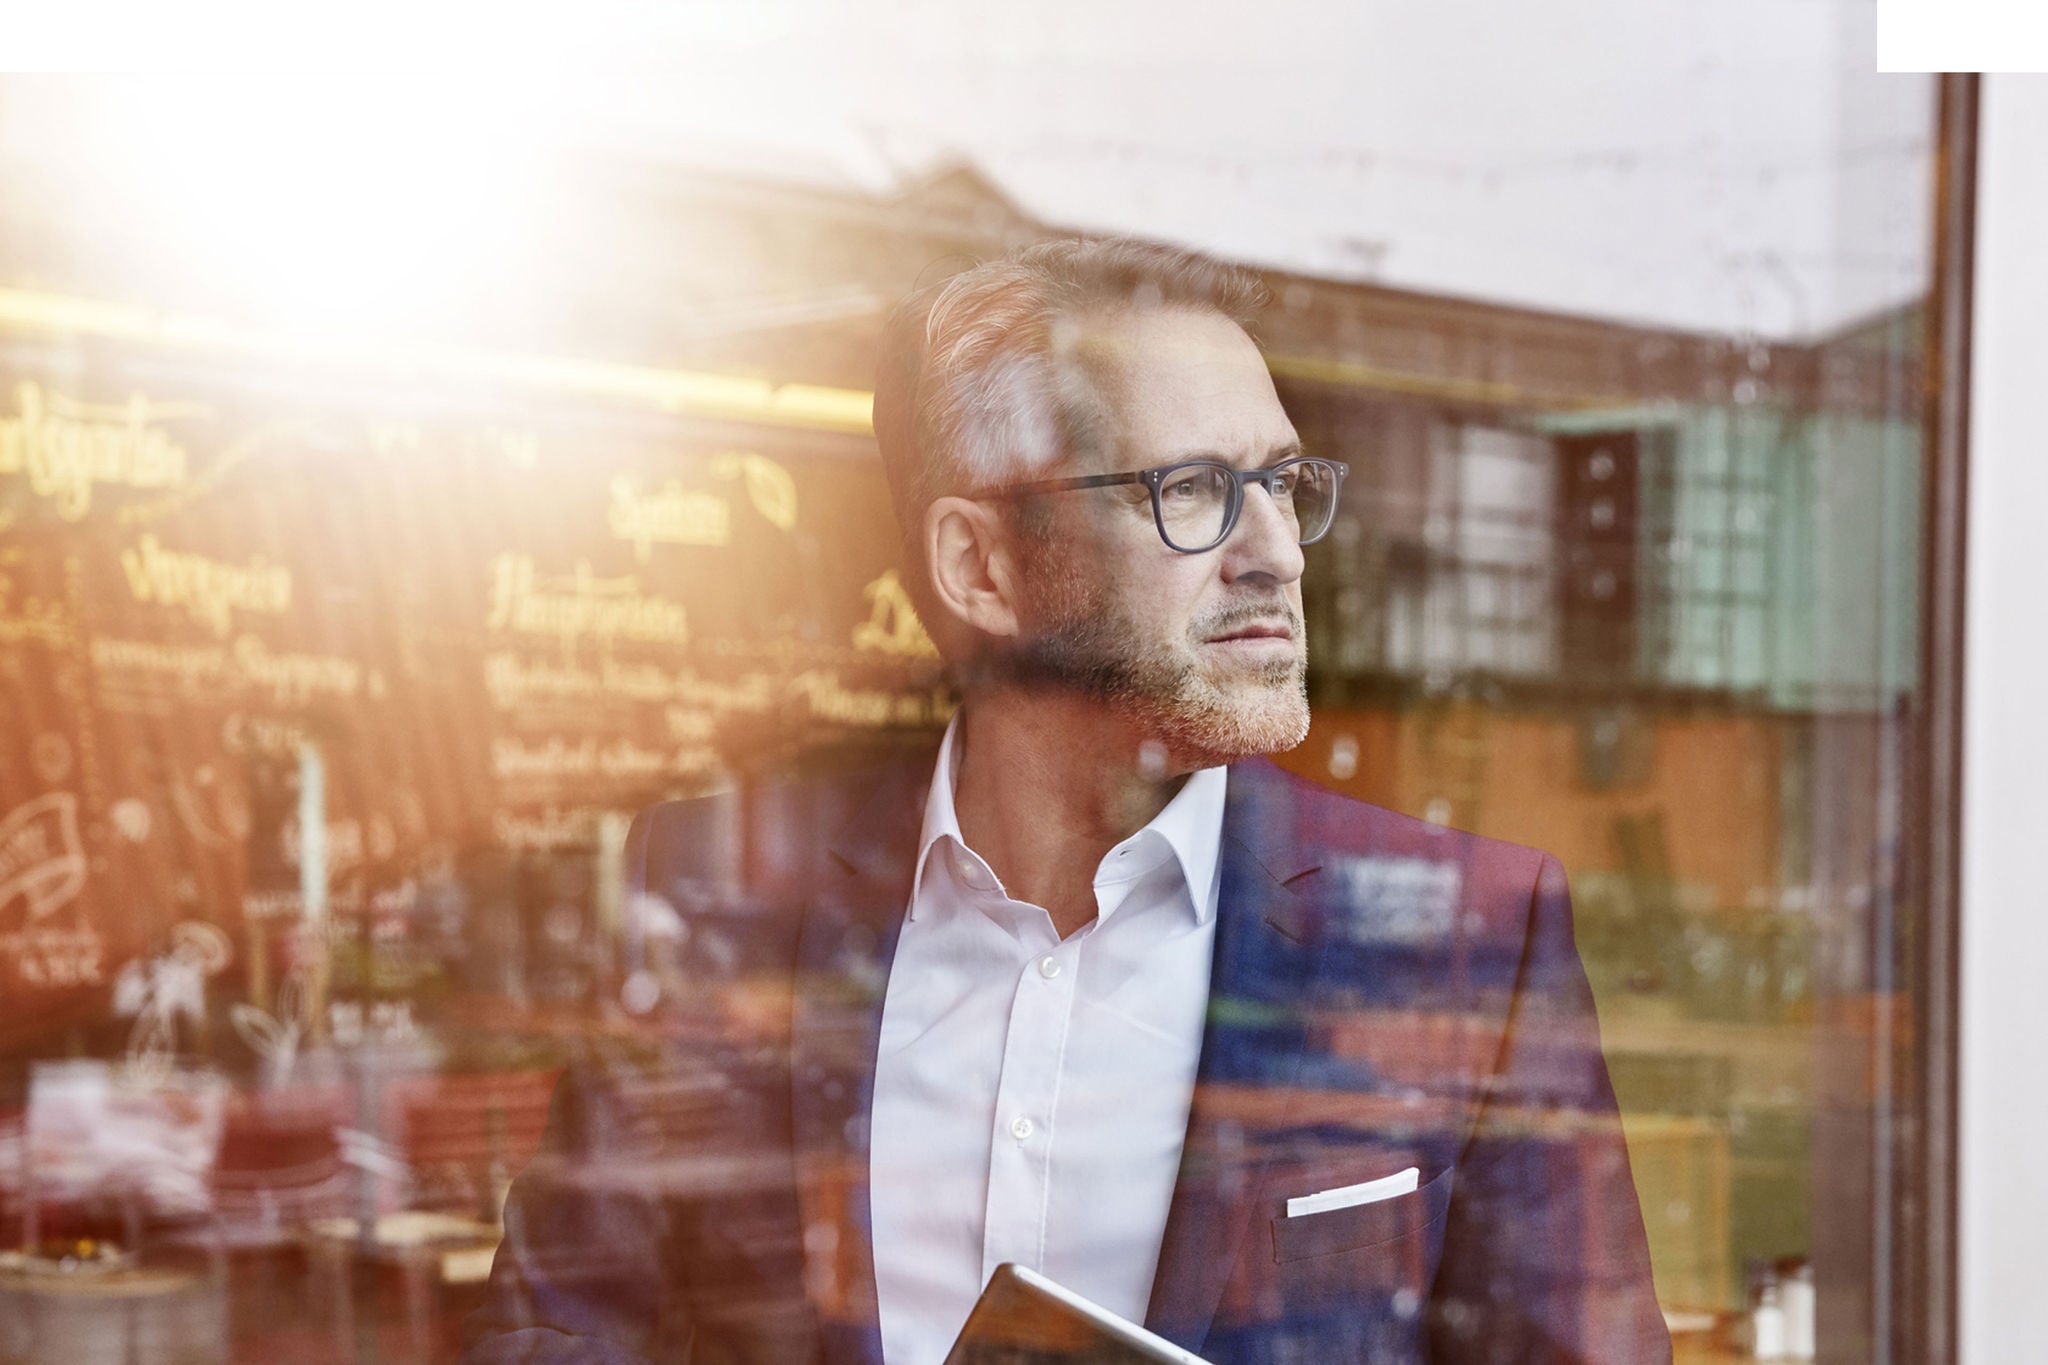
x,y
1273,732
1235,723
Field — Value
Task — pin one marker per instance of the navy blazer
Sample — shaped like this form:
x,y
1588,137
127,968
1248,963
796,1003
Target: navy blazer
x,y
1384,993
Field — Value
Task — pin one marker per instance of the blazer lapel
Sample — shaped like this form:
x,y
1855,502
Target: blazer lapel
x,y
844,951
1263,972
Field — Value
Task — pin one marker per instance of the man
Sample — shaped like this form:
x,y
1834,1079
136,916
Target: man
x,y
1096,988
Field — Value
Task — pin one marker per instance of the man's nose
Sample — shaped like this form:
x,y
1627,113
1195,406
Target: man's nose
x,y
1263,542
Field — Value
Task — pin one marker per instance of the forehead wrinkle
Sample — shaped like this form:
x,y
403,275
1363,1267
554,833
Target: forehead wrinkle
x,y
1227,417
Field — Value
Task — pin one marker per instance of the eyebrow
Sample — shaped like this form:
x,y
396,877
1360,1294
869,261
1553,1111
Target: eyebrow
x,y
1286,450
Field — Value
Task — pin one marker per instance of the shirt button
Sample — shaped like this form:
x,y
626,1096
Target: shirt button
x,y
1020,1128
1048,967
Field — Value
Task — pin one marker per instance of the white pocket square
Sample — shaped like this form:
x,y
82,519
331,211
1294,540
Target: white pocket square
x,y
1344,1196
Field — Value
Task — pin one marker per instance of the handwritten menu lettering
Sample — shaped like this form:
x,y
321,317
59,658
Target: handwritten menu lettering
x,y
65,448
503,628
284,677
211,590
579,605
670,515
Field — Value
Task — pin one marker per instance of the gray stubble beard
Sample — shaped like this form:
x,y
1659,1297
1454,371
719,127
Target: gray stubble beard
x,y
1091,647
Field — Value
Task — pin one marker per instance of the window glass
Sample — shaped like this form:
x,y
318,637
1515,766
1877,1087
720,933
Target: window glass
x,y
408,487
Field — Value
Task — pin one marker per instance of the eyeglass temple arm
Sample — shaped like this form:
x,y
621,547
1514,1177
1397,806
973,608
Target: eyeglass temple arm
x,y
1062,485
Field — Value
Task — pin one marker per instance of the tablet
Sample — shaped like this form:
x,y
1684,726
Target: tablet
x,y
1022,1318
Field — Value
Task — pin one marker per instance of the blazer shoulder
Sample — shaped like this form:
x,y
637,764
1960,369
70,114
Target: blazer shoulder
x,y
1339,826
1382,875
1397,893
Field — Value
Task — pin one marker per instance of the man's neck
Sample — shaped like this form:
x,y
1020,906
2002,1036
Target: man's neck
x,y
1049,783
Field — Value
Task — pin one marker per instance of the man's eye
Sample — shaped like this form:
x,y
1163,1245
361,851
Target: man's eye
x,y
1283,484
1182,488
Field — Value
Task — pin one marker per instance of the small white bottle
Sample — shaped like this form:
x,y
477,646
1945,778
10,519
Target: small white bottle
x,y
1799,1312
1767,1326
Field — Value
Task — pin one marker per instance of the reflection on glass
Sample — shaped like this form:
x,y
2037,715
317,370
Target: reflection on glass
x,y
493,853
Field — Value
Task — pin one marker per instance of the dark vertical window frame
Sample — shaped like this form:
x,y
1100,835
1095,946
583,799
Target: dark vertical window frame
x,y
1923,1262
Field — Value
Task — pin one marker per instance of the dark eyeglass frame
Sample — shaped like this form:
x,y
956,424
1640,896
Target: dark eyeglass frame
x,y
1159,476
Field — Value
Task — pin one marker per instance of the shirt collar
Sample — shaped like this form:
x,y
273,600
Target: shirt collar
x,y
1191,824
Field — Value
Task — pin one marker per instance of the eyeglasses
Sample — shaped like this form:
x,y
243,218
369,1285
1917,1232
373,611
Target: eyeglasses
x,y
1195,505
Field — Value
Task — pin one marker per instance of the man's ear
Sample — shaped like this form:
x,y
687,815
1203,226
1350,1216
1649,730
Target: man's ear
x,y
973,573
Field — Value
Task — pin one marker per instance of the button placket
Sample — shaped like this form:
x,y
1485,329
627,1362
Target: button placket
x,y
1021,1154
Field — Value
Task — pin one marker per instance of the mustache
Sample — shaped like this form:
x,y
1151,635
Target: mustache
x,y
1237,615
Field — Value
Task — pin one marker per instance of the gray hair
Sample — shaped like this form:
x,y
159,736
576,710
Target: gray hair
x,y
987,376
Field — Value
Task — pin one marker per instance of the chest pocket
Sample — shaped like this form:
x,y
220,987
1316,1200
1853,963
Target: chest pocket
x,y
1361,1225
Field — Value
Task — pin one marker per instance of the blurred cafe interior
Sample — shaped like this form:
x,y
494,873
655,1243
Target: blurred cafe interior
x,y
404,484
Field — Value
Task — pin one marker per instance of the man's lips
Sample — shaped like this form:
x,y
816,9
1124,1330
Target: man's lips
x,y
1268,631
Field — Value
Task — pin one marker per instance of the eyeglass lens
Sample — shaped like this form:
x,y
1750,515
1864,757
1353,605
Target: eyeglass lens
x,y
1195,501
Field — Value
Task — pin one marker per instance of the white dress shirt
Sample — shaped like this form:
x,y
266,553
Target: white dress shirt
x,y
1032,1093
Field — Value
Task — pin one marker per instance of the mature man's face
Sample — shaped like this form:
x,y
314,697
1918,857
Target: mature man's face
x,y
1204,653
